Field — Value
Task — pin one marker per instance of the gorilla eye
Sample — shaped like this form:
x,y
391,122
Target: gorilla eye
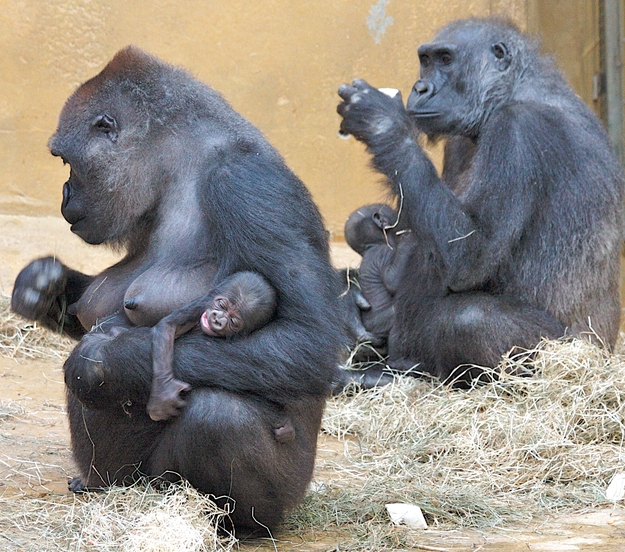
x,y
235,323
425,60
499,50
221,304
446,58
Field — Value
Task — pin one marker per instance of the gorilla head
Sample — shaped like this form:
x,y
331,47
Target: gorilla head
x,y
469,69
109,131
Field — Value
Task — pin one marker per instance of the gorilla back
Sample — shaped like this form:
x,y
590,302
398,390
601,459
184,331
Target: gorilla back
x,y
162,166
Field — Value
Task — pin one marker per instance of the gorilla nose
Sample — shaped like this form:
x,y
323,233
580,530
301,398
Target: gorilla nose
x,y
423,88
218,321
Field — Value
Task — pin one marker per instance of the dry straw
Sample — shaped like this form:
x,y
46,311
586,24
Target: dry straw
x,y
134,519
509,450
20,338
513,450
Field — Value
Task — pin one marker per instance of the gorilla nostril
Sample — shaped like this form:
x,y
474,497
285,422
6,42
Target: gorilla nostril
x,y
423,88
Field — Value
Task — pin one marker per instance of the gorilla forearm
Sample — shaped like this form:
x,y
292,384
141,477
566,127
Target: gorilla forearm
x,y
101,373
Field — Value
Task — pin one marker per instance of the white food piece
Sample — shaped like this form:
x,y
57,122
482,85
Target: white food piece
x,y
391,92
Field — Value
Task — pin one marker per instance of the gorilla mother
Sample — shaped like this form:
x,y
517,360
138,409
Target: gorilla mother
x,y
161,166
522,235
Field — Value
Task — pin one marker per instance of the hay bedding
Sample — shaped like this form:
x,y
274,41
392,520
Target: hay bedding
x,y
513,450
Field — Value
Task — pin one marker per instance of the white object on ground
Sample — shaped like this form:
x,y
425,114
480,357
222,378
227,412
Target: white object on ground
x,y
616,488
408,514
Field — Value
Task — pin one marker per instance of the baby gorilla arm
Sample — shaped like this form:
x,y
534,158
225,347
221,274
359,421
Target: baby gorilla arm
x,y
241,304
165,400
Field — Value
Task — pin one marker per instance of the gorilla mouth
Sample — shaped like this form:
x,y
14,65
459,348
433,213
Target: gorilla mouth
x,y
424,114
205,325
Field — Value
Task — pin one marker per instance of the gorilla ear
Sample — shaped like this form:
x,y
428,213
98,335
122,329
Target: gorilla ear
x,y
107,124
500,51
379,220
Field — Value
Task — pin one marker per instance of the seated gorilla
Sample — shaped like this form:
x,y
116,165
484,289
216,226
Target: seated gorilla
x,y
161,166
524,230
241,304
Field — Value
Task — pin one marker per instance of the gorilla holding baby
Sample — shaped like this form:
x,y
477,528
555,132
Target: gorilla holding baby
x,y
521,237
161,166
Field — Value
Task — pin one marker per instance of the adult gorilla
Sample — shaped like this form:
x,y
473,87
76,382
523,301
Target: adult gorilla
x,y
522,236
162,166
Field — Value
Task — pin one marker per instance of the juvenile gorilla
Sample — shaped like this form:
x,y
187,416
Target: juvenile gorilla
x,y
161,166
372,232
522,236
241,304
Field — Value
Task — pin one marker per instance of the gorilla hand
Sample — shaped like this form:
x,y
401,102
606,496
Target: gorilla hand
x,y
368,113
37,288
165,399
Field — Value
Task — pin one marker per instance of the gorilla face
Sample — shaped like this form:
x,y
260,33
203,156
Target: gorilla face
x,y
110,186
461,75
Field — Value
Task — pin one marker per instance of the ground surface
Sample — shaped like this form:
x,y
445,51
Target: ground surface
x,y
35,456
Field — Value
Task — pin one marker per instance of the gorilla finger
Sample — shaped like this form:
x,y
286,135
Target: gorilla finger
x,y
361,301
397,98
345,127
360,84
346,91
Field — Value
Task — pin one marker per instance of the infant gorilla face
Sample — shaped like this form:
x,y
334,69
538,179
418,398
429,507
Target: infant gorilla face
x,y
222,318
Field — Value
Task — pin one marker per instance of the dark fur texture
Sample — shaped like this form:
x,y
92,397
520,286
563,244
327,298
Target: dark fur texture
x,y
162,166
244,296
526,231
373,231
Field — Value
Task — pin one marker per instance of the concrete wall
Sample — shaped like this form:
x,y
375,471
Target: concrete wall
x,y
279,62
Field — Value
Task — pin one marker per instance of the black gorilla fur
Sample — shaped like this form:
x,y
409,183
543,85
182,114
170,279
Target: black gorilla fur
x,y
521,238
163,167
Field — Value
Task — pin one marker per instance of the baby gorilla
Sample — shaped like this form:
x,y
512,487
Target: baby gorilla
x,y
239,305
242,303
372,231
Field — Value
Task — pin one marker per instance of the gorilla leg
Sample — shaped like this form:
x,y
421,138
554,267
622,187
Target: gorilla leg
x,y
209,445
439,334
109,447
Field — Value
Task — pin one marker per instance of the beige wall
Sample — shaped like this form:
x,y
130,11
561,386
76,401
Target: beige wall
x,y
569,30
279,62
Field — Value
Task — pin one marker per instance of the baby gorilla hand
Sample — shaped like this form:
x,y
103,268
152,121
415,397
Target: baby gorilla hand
x,y
37,287
368,113
165,399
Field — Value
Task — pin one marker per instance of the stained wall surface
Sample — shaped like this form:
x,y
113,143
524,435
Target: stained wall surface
x,y
279,63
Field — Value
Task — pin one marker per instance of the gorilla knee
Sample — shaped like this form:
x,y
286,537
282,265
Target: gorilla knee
x,y
470,317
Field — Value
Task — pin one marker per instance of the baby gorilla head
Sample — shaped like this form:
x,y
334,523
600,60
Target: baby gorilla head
x,y
371,225
242,303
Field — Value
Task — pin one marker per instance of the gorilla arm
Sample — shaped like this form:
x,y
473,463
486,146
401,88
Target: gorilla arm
x,y
106,372
471,233
45,290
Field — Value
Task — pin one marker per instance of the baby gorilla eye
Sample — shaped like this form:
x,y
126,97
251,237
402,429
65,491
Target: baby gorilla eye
x,y
221,304
235,323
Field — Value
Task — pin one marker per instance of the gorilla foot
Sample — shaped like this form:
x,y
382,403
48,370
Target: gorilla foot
x,y
165,400
78,486
368,378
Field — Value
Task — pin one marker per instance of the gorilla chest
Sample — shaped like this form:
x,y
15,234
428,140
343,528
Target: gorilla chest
x,y
140,294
